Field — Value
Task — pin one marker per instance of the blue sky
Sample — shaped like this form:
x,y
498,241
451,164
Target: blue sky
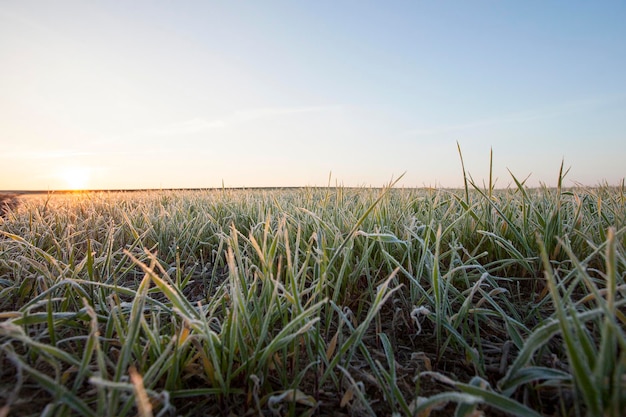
x,y
147,94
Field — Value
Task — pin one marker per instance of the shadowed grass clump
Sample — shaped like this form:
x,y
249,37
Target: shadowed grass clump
x,y
315,301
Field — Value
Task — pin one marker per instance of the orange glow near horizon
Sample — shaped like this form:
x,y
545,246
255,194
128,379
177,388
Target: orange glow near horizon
x,y
76,178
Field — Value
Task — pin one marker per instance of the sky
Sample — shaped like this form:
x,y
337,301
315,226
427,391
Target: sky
x,y
200,94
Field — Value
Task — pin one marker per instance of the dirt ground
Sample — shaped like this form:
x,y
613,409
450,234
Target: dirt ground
x,y
8,202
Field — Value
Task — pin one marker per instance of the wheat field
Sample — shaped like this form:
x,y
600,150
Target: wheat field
x,y
315,301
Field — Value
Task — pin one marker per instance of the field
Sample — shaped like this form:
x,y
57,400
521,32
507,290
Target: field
x,y
315,301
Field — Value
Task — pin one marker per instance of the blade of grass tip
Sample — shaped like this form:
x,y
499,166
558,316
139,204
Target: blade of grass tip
x,y
292,266
535,373
594,292
559,185
144,407
424,406
562,176
496,400
518,235
90,261
464,174
581,371
178,300
133,231
361,220
521,185
490,173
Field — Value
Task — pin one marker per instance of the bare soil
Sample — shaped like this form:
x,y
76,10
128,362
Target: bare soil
x,y
8,202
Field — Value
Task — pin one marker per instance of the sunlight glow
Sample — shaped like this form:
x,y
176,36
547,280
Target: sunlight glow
x,y
76,178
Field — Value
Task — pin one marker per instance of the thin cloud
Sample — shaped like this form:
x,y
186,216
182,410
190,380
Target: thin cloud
x,y
518,117
186,127
260,113
44,154
200,125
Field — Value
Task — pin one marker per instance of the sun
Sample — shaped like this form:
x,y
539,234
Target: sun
x,y
76,178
